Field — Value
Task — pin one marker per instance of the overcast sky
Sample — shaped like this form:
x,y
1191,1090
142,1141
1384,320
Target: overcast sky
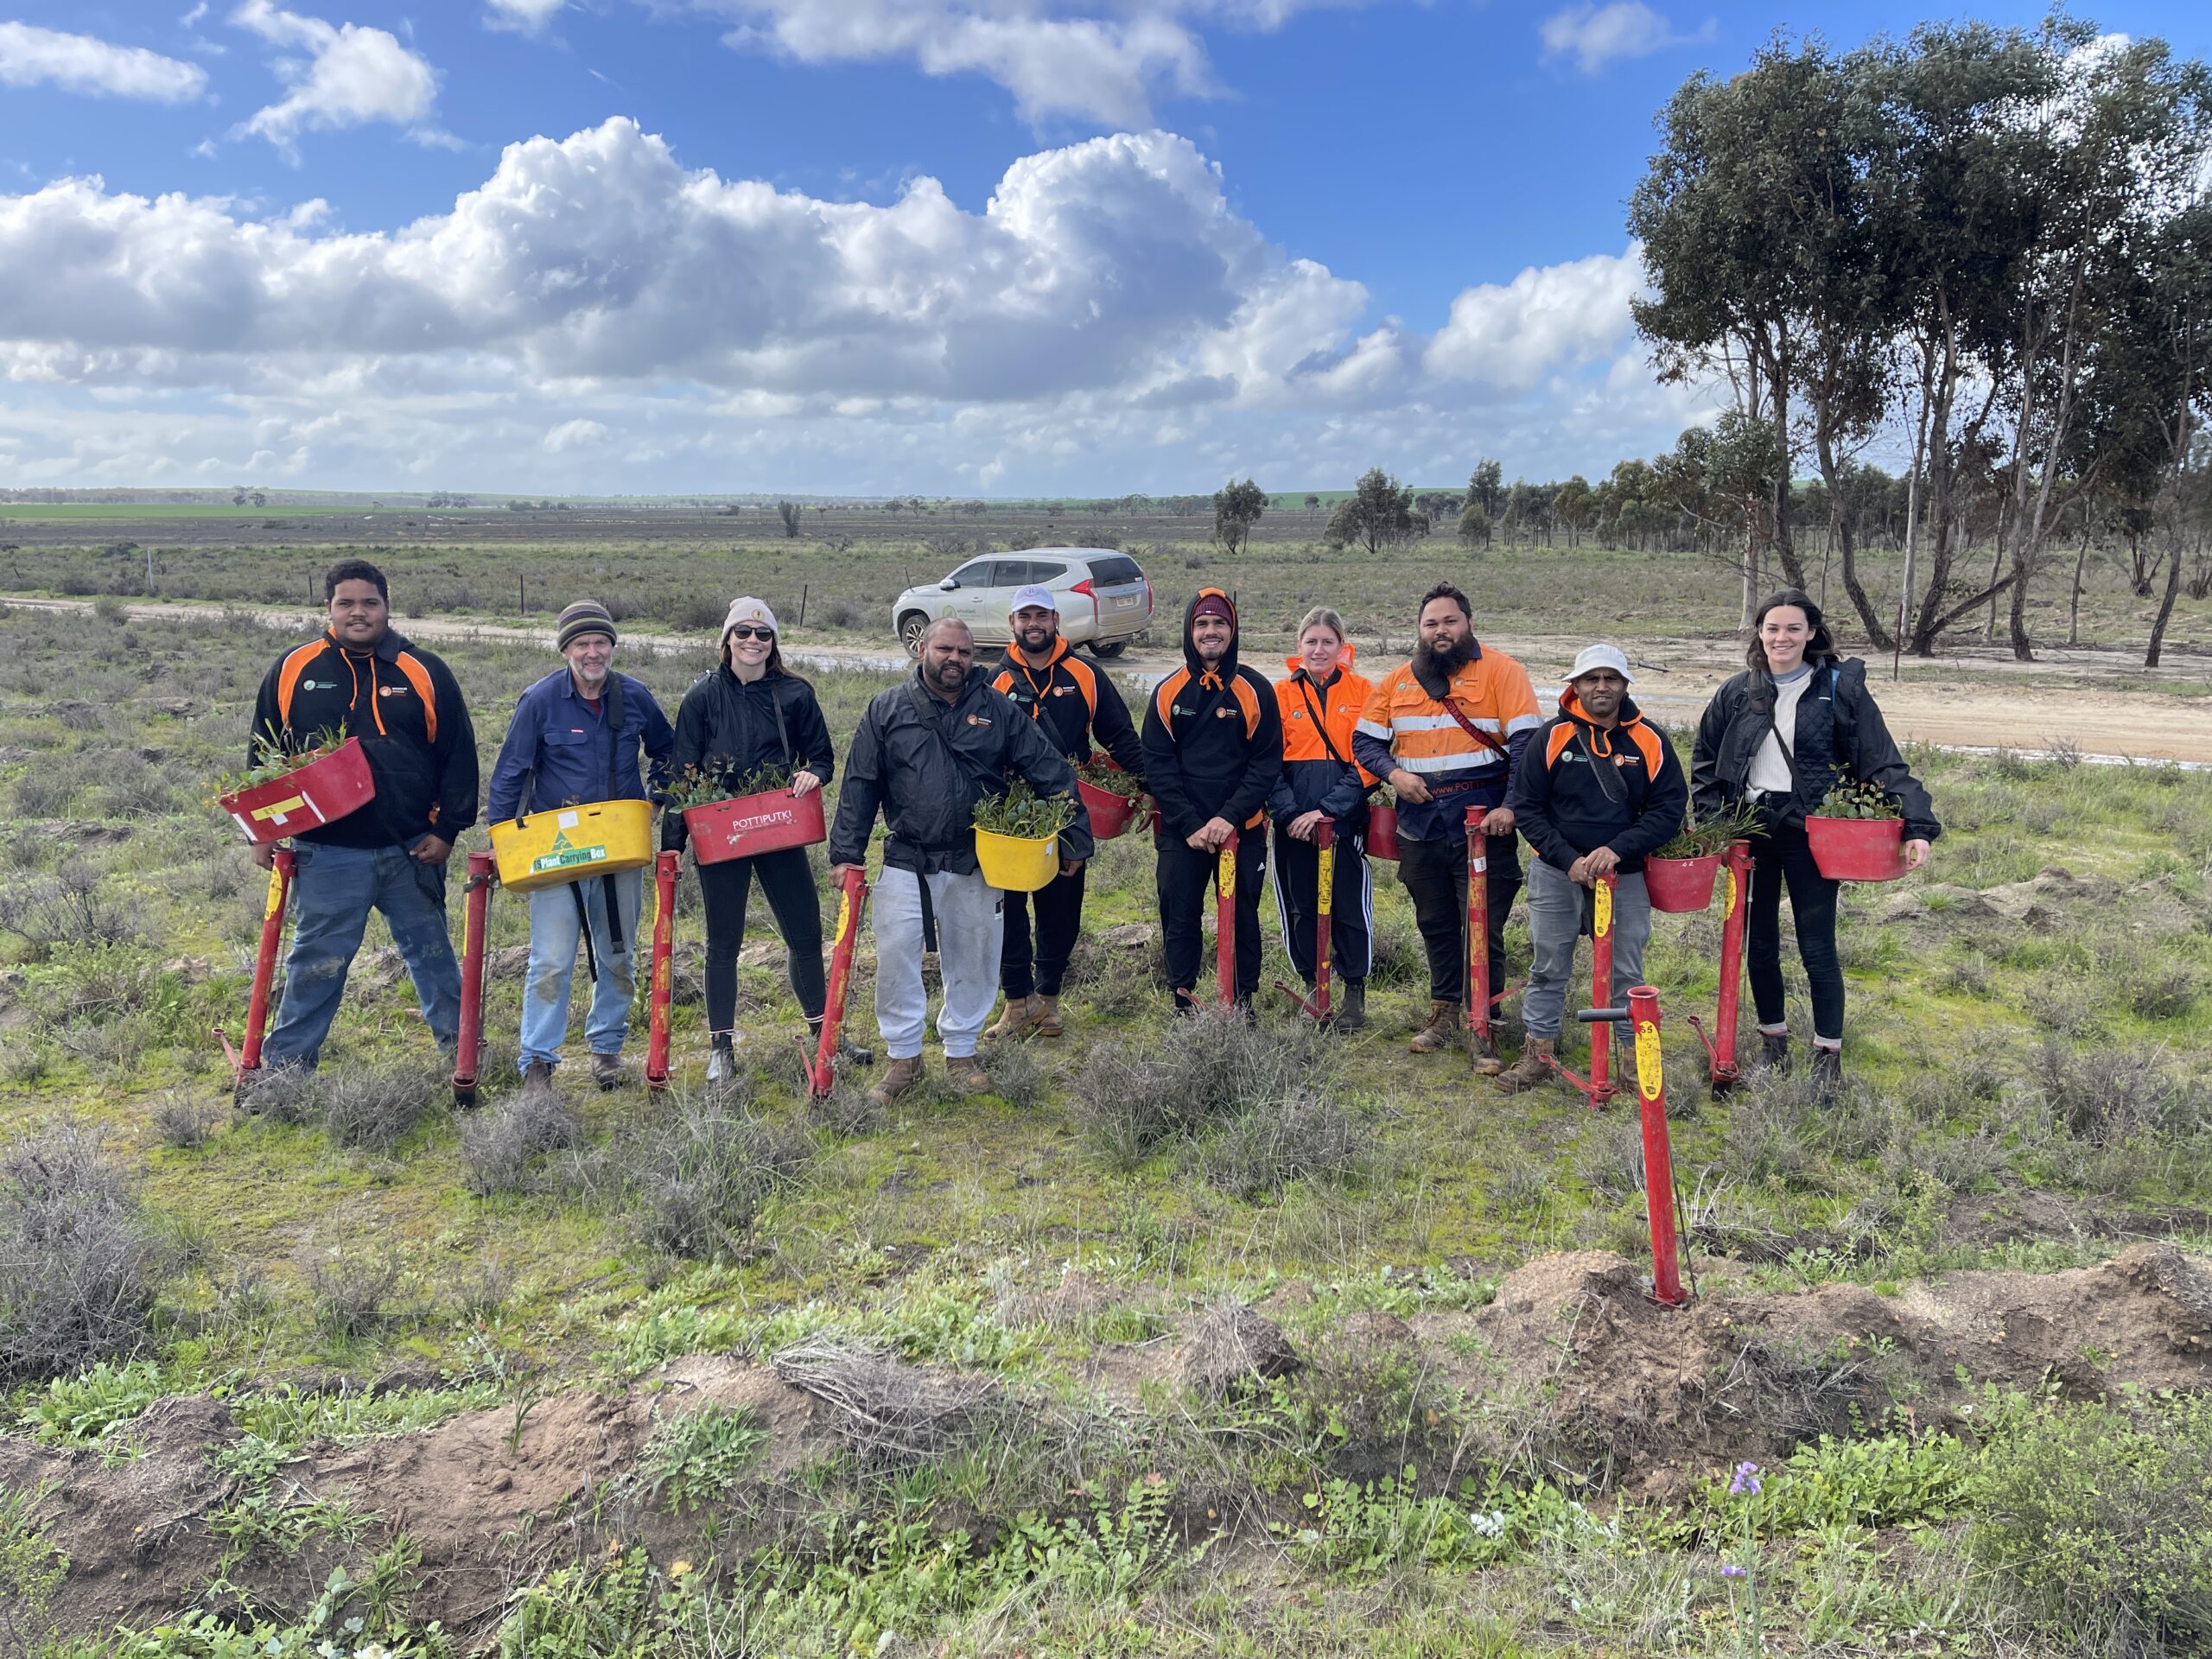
x,y
964,247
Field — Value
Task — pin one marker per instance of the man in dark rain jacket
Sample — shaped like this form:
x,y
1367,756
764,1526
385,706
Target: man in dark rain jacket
x,y
1212,752
928,750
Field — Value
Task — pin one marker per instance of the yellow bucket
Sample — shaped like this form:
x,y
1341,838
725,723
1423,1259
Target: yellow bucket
x,y
1017,866
567,844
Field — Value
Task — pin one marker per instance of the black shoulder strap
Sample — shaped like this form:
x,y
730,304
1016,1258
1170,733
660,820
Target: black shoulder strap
x,y
1320,719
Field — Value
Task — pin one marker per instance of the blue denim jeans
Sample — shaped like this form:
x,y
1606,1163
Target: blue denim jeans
x,y
334,889
554,937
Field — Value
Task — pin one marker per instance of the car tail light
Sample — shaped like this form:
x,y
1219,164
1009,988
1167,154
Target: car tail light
x,y
1090,594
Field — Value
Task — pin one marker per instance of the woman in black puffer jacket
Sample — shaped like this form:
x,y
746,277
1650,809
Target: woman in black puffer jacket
x,y
748,712
1778,735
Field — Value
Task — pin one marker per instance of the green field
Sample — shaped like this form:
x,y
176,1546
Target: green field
x,y
1472,1455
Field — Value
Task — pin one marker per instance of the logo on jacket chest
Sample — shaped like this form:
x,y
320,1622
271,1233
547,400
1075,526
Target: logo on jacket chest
x,y
979,720
392,691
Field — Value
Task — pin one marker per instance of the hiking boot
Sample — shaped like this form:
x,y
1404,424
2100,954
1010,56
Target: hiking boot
x,y
1828,1072
967,1074
898,1077
607,1071
1020,1017
722,1063
1350,1014
1483,1052
1623,1075
537,1081
1441,1030
1774,1052
1532,1071
1048,1017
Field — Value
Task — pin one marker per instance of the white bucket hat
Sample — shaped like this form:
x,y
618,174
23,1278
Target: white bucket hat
x,y
1593,658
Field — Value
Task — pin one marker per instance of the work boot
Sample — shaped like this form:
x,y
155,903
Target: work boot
x,y
1623,1075
1532,1071
1774,1052
607,1071
1020,1017
1828,1072
722,1063
1483,1052
1350,1014
1048,1018
898,1077
967,1074
537,1081
1441,1030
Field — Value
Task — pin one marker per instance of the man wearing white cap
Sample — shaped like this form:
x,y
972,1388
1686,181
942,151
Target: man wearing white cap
x,y
1596,791
1071,702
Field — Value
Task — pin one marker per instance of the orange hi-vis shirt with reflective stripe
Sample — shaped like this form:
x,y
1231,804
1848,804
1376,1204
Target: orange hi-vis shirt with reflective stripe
x,y
1492,691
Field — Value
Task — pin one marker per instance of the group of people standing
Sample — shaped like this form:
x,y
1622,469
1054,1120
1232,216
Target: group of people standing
x,y
1234,765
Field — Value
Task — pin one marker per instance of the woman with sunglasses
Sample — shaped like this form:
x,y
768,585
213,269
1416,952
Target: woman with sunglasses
x,y
749,713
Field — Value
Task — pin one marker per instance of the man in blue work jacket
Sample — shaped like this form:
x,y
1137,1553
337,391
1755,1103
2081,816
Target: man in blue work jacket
x,y
575,739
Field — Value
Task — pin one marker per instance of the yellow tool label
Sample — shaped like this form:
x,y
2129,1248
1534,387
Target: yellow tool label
x,y
1604,908
1229,871
1728,902
845,915
1648,1075
1325,882
276,895
279,811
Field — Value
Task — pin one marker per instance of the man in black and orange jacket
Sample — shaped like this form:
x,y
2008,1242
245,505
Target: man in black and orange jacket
x,y
1597,793
1212,751
361,679
1071,703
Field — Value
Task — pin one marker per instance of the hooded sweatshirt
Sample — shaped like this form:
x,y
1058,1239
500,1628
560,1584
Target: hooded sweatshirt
x,y
1212,738
1581,787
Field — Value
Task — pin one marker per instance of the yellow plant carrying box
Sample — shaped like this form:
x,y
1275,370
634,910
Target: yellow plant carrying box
x,y
567,844
1013,864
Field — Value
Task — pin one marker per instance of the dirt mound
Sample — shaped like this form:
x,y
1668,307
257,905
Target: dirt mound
x,y
1650,1396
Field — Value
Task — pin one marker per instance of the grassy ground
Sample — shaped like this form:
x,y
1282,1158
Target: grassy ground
x,y
2016,1053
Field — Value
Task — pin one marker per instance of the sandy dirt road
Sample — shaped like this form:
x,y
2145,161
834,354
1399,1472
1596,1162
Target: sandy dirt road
x,y
2100,701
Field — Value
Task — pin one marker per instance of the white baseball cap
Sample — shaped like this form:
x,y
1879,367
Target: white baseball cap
x,y
1593,658
1042,598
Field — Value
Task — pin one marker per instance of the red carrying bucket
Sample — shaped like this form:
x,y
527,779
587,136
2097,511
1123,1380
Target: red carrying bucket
x,y
1109,813
1681,884
318,793
1382,832
751,824
1857,849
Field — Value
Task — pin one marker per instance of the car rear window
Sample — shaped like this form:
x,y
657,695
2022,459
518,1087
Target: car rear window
x,y
1112,573
1040,571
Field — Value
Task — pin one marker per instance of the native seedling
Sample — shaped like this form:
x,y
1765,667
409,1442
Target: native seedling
x,y
1022,813
1849,798
1708,836
704,786
273,759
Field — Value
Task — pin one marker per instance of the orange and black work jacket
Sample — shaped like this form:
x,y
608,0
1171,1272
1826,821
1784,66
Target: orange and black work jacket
x,y
1071,703
1319,772
1212,739
1582,787
1417,727
405,707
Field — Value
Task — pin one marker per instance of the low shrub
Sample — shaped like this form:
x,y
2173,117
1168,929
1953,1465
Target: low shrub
x,y
374,1107
694,1458
1305,1136
351,1294
185,1120
80,1261
1133,1097
503,1148
695,1176
2105,1096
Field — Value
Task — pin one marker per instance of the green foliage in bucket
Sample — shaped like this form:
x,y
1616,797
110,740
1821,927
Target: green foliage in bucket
x,y
1023,815
1848,798
1702,837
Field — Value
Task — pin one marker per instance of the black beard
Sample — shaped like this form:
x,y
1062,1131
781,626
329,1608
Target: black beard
x,y
949,678
1445,663
1042,644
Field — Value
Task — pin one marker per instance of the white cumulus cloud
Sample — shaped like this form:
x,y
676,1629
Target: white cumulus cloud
x,y
1595,35
574,435
352,75
1512,335
524,16
30,56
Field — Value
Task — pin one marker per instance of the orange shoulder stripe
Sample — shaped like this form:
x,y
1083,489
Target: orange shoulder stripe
x,y
1163,701
419,677
1249,700
1563,734
1086,680
288,677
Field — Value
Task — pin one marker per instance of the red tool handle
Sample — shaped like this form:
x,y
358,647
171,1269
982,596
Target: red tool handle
x,y
1324,881
1601,992
1658,1155
468,1049
661,993
264,962
1224,920
851,901
1736,891
1478,925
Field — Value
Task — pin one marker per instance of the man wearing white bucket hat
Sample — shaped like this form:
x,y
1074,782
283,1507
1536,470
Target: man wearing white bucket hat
x,y
1596,793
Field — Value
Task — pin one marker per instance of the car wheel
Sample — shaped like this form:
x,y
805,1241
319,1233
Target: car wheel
x,y
911,627
1106,650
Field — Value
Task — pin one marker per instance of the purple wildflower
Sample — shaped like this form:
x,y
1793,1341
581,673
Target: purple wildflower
x,y
1746,1481
1731,1571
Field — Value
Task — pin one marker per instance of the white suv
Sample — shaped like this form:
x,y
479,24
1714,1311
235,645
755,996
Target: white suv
x,y
1104,599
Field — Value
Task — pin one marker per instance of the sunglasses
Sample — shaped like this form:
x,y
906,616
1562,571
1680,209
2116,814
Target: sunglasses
x,y
745,631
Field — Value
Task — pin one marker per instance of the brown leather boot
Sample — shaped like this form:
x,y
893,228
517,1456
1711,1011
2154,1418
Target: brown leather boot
x,y
1048,1017
967,1074
1019,1017
1482,1051
1532,1071
898,1077
1441,1030
537,1081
